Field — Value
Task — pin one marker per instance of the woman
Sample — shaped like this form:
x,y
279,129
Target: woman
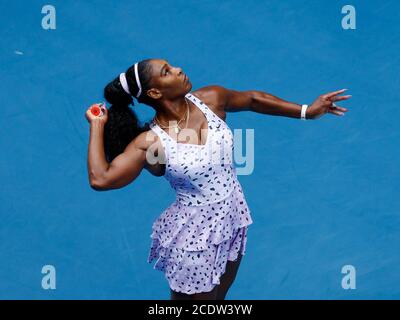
x,y
199,240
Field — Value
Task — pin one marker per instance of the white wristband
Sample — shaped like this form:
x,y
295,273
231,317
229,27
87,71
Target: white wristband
x,y
303,111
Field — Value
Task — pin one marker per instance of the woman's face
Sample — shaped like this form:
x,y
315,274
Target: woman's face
x,y
169,81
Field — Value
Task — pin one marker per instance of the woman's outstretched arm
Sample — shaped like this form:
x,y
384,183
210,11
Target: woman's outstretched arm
x,y
266,103
263,102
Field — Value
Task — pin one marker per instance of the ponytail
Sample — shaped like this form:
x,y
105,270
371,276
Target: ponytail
x,y
123,124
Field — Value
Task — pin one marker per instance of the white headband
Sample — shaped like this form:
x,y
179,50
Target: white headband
x,y
137,80
122,79
124,83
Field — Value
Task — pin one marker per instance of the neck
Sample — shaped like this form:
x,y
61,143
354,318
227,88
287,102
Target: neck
x,y
172,110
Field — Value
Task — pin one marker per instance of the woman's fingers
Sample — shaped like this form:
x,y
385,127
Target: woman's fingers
x,y
332,94
335,111
338,108
103,107
90,115
334,99
329,100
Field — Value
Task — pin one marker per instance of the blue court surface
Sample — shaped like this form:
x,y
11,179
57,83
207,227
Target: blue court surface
x,y
323,194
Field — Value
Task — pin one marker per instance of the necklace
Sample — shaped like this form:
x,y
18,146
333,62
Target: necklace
x,y
176,127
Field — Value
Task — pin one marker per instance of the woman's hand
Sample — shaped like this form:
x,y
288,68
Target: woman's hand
x,y
325,104
101,118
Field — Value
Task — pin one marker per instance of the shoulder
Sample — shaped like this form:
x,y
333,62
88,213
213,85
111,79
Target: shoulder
x,y
214,96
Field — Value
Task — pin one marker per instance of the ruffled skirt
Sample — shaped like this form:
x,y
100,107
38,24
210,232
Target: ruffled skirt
x,y
192,244
192,272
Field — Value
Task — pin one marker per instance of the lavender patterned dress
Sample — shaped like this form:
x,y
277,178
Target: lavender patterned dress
x,y
206,225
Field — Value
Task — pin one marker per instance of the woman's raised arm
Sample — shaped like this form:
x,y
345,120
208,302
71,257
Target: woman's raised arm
x,y
123,169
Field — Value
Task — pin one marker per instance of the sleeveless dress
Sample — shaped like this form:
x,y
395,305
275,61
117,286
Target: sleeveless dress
x,y
206,225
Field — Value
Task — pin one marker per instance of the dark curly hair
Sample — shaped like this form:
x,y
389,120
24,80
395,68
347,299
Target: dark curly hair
x,y
123,124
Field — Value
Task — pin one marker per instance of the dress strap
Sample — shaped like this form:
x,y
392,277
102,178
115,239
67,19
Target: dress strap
x,y
200,104
212,118
160,132
167,142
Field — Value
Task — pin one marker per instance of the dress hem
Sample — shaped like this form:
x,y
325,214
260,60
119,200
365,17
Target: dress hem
x,y
215,274
213,284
